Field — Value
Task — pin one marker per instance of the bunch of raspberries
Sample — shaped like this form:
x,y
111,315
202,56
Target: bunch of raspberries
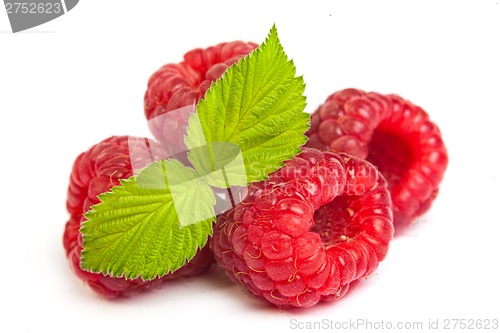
x,y
372,165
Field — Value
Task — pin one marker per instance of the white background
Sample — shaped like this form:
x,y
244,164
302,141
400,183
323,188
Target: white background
x,y
72,82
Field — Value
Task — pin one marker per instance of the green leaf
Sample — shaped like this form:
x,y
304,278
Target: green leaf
x,y
258,105
150,224
251,120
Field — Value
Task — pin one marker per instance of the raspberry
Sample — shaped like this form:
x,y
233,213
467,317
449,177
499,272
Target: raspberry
x,y
308,233
94,172
393,134
175,86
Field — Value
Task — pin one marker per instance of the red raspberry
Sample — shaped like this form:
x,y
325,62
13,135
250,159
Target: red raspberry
x,y
175,86
309,232
393,134
94,172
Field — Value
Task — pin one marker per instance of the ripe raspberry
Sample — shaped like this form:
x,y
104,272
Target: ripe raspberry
x,y
394,135
309,232
94,172
175,86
